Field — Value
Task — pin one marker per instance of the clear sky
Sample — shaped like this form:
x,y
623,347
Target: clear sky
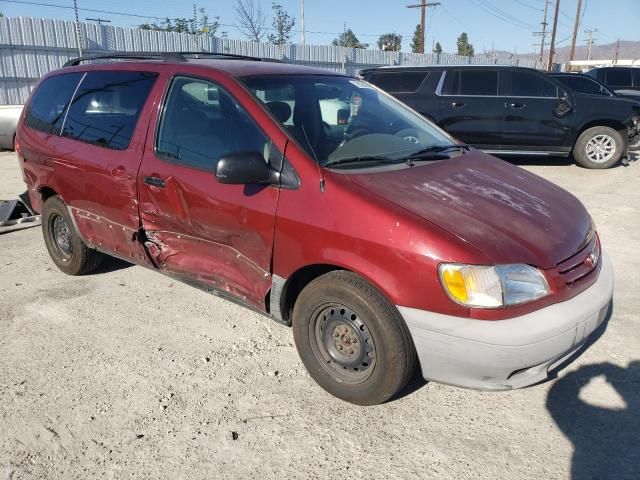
x,y
505,24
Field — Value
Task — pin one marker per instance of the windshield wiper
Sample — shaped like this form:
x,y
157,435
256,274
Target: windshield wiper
x,y
439,149
363,158
435,152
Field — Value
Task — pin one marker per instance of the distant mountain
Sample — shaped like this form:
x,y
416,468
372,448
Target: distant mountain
x,y
629,50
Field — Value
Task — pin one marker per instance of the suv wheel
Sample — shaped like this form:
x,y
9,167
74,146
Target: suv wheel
x,y
67,250
599,147
352,341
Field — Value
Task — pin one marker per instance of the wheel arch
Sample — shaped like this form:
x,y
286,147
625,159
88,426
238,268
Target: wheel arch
x,y
285,291
46,192
617,125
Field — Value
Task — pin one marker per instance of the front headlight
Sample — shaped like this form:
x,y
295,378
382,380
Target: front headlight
x,y
492,286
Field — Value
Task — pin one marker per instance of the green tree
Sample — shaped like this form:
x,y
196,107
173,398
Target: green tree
x,y
416,43
186,25
390,42
464,47
282,23
348,39
437,48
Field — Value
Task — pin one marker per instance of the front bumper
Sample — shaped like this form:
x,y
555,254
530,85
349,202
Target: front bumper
x,y
507,354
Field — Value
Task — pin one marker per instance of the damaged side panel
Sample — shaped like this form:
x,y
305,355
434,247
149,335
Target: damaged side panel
x,y
208,263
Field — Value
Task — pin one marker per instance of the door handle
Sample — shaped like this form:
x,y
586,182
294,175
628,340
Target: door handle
x,y
518,106
155,182
120,172
457,104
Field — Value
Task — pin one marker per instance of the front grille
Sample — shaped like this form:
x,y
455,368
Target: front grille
x,y
580,264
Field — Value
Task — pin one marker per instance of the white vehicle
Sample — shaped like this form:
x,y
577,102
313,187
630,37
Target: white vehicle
x,y
9,115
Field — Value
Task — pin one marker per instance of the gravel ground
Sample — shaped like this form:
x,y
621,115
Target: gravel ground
x,y
126,373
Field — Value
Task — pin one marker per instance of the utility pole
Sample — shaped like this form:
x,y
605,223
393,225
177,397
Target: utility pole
x,y
78,34
99,20
302,23
576,23
423,6
543,33
552,46
615,57
590,41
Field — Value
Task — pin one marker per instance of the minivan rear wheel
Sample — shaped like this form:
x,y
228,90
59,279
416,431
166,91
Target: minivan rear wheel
x,y
352,341
66,248
599,147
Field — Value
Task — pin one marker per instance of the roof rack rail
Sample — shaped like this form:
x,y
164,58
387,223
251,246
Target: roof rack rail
x,y
163,56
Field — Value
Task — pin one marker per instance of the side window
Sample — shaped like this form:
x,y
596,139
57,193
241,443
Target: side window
x,y
46,109
106,107
472,82
585,85
619,78
399,82
636,77
531,84
202,123
451,83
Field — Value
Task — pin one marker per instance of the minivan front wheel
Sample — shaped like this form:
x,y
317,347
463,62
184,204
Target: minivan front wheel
x,y
352,341
599,147
66,248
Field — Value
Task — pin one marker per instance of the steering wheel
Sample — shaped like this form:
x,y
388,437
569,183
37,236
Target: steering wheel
x,y
410,135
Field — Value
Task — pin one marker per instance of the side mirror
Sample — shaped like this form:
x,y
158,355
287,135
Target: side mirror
x,y
244,168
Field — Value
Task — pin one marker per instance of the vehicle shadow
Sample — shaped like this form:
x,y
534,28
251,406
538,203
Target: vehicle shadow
x,y
558,161
111,264
606,440
539,160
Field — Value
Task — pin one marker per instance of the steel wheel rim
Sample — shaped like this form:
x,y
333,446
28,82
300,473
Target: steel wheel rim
x,y
342,343
601,148
61,235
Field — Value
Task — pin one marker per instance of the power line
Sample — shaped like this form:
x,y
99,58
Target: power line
x,y
500,14
136,15
528,6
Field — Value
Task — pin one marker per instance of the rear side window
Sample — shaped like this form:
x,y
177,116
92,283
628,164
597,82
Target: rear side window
x,y
49,102
472,82
581,85
398,82
530,84
619,78
106,107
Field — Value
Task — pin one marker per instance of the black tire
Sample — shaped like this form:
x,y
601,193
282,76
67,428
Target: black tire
x,y
586,157
67,250
340,307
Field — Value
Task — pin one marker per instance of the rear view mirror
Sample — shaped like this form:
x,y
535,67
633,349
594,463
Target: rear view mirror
x,y
343,116
244,168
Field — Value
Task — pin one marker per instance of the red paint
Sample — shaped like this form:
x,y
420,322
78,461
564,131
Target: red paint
x,y
393,227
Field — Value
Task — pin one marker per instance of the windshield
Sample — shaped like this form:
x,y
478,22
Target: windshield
x,y
347,122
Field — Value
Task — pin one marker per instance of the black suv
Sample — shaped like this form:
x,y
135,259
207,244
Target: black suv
x,y
618,79
508,110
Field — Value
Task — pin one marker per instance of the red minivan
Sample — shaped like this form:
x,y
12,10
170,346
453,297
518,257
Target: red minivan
x,y
318,200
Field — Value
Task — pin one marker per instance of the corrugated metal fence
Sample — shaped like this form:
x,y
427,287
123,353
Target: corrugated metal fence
x,y
31,47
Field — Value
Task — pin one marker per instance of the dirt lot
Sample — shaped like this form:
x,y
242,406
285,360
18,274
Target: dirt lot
x,y
126,373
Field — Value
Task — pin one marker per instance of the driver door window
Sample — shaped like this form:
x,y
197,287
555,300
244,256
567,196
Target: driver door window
x,y
202,123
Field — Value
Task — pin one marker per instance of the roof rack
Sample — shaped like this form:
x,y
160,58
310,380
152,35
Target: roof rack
x,y
163,56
